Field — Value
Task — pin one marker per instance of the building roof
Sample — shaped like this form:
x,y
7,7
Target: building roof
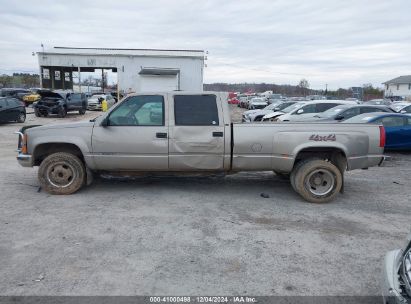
x,y
60,50
399,80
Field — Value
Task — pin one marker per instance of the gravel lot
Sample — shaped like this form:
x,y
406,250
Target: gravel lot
x,y
197,235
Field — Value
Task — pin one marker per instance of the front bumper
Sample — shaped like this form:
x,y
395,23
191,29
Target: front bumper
x,y
245,118
390,284
94,106
46,109
25,160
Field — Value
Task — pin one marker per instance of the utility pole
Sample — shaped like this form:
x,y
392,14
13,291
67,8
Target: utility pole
x,y
102,79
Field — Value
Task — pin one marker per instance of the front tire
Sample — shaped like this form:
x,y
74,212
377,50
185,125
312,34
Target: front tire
x,y
61,173
317,181
37,113
62,112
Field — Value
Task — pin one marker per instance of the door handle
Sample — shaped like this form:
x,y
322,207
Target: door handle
x,y
218,134
161,135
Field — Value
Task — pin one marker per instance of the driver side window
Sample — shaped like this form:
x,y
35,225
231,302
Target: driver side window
x,y
144,110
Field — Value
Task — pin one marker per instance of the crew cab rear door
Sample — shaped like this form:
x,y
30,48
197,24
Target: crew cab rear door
x,y
196,129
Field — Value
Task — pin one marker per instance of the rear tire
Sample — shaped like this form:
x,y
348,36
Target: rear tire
x,y
61,173
21,118
37,113
317,181
82,111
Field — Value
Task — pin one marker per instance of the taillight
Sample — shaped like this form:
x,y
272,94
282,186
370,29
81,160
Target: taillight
x,y
24,144
382,137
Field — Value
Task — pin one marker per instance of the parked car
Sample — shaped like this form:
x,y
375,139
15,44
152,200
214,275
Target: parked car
x,y
402,107
94,102
304,110
32,97
343,112
60,103
233,101
115,96
257,115
243,102
14,92
396,275
12,109
397,128
257,103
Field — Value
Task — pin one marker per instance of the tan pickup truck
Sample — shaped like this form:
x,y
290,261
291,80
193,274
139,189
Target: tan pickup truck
x,y
192,132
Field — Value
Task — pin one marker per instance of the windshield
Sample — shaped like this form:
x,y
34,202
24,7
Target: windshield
x,y
293,107
332,112
284,105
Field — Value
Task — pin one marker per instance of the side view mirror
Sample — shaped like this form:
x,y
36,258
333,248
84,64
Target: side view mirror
x,y
339,117
300,111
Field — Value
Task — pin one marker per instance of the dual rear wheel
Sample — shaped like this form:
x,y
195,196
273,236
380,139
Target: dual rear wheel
x,y
316,180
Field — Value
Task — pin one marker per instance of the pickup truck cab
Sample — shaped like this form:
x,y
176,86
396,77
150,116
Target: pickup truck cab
x,y
184,132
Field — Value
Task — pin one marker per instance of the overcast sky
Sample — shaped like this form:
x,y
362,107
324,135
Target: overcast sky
x,y
342,43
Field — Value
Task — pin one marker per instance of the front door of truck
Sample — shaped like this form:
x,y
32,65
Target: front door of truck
x,y
196,133
135,137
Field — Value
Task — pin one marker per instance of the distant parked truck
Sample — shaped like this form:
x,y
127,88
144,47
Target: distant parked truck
x,y
59,103
182,132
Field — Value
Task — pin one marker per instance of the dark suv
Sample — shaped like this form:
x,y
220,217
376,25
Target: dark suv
x,y
60,103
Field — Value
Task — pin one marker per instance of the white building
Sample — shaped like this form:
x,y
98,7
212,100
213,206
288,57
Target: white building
x,y
138,70
400,86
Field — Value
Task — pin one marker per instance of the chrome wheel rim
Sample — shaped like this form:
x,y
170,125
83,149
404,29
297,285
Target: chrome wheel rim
x,y
61,175
320,182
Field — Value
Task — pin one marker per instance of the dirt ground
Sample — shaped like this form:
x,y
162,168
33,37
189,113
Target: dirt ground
x,y
197,235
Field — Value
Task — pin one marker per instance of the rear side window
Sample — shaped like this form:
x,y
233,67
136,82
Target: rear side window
x,y
370,110
350,113
195,110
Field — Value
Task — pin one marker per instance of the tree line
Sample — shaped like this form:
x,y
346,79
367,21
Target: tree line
x,y
20,80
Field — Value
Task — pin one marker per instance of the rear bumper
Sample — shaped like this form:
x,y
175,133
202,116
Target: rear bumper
x,y
25,160
363,162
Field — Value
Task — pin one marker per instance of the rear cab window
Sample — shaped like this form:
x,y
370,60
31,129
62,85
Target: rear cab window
x,y
196,110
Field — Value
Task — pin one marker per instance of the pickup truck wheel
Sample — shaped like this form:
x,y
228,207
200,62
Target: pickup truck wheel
x,y
82,111
62,112
317,181
61,173
37,113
